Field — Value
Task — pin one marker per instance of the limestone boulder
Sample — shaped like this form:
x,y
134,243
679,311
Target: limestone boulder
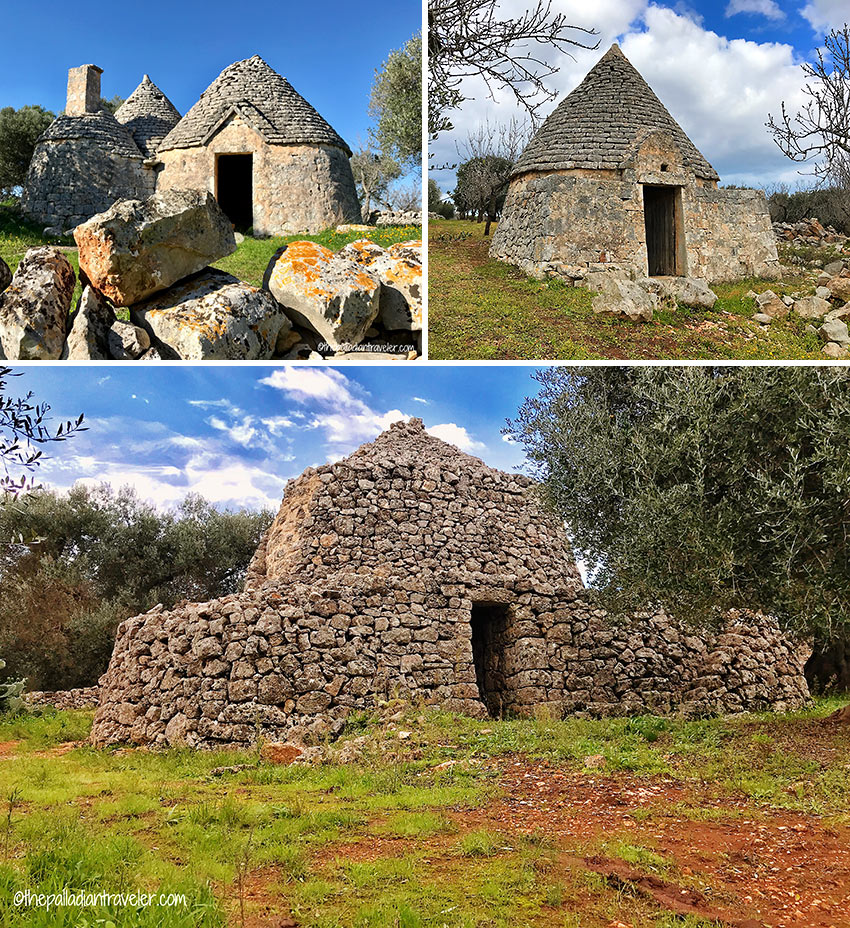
x,y
688,291
835,331
213,316
331,294
399,269
812,307
771,304
34,308
97,335
5,275
625,299
141,247
835,352
839,287
843,312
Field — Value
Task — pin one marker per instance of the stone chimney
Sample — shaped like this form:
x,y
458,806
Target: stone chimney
x,y
83,90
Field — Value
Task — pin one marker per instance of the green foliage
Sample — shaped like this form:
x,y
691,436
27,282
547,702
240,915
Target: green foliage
x,y
19,131
396,104
831,205
112,105
436,203
482,185
94,556
702,488
10,693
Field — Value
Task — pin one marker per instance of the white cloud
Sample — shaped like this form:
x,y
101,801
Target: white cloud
x,y
419,399
243,433
768,8
277,425
352,427
824,15
311,383
456,435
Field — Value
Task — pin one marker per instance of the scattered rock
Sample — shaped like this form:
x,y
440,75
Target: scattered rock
x,y
771,304
624,298
594,761
89,336
839,287
330,294
213,316
824,293
34,308
811,307
353,227
841,313
763,318
835,351
689,291
140,247
834,268
127,342
835,331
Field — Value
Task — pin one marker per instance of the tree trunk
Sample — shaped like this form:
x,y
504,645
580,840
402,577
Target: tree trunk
x,y
828,669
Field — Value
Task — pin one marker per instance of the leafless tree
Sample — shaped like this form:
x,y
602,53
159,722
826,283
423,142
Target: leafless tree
x,y
467,38
373,173
819,133
489,155
406,197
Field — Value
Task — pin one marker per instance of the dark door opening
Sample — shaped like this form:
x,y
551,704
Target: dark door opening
x,y
489,625
662,239
235,189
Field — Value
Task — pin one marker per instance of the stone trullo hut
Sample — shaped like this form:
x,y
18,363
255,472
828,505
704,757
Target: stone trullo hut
x,y
85,160
273,163
411,568
271,160
611,181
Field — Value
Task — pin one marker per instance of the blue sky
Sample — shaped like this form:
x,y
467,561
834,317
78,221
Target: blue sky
x,y
328,51
720,67
236,433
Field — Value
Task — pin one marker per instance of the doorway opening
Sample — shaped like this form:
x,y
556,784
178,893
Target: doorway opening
x,y
662,217
489,626
235,189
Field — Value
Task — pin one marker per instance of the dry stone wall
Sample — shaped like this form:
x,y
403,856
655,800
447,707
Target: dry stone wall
x,y
567,225
412,569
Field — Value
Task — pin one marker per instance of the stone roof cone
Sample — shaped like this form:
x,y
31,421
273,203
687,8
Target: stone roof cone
x,y
596,125
264,99
148,115
410,504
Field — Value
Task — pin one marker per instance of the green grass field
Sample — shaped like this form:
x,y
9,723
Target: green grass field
x,y
482,309
440,822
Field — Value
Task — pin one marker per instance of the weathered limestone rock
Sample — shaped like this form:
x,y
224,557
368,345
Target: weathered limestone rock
x,y
689,291
377,577
835,351
812,307
772,305
213,315
328,293
137,248
843,312
34,308
5,275
96,334
399,268
835,331
624,298
839,287
762,318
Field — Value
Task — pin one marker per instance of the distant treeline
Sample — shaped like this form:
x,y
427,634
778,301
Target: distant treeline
x,y
830,205
73,566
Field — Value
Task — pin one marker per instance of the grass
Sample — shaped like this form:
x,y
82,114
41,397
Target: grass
x,y
483,309
387,841
248,262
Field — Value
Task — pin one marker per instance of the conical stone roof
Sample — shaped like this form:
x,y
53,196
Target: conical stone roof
x,y
267,101
597,124
148,115
101,128
411,505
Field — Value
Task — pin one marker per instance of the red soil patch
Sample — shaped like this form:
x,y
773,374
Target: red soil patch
x,y
8,748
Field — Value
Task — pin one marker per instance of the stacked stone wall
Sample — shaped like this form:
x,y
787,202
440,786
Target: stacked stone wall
x,y
291,657
69,181
565,225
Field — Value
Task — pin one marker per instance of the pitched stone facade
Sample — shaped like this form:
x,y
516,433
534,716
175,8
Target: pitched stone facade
x,y
611,181
410,568
275,165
